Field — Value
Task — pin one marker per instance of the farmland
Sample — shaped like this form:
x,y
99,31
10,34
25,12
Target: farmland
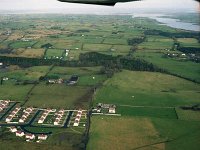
x,y
147,71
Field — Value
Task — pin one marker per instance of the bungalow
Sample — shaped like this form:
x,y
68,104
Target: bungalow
x,y
22,119
13,129
41,120
77,118
30,136
76,123
9,118
42,137
20,133
56,122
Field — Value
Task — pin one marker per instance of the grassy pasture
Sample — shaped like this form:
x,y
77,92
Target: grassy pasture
x,y
147,89
189,115
180,134
91,80
189,42
31,73
184,68
31,53
58,96
115,41
22,44
76,70
147,112
122,133
14,92
96,47
53,53
165,44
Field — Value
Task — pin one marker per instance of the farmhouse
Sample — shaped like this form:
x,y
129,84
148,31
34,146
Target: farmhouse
x,y
112,110
30,136
20,133
42,137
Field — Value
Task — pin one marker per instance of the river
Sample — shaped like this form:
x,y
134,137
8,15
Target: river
x,y
174,23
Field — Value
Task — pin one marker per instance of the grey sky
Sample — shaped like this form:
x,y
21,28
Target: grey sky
x,y
48,5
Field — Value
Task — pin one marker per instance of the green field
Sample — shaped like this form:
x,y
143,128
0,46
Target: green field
x,y
58,96
148,89
122,133
186,69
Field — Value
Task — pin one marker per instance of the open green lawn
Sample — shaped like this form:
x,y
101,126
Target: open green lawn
x,y
59,96
148,89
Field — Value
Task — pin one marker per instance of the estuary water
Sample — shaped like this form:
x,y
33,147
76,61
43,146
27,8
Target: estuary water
x,y
174,23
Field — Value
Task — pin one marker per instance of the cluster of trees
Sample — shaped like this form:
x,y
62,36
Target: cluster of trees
x,y
136,41
172,35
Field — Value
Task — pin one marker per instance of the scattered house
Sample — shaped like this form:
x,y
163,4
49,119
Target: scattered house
x,y
20,133
42,137
13,129
5,78
54,81
30,136
1,64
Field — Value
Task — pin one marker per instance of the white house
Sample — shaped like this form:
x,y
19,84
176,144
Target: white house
x,y
56,121
41,120
30,136
42,137
9,118
76,123
112,110
20,133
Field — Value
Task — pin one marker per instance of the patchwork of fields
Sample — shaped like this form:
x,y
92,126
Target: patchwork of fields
x,y
149,102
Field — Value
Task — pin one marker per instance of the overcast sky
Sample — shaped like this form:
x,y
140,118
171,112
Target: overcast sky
x,y
49,5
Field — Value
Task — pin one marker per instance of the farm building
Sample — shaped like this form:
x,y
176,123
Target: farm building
x,y
112,110
73,80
